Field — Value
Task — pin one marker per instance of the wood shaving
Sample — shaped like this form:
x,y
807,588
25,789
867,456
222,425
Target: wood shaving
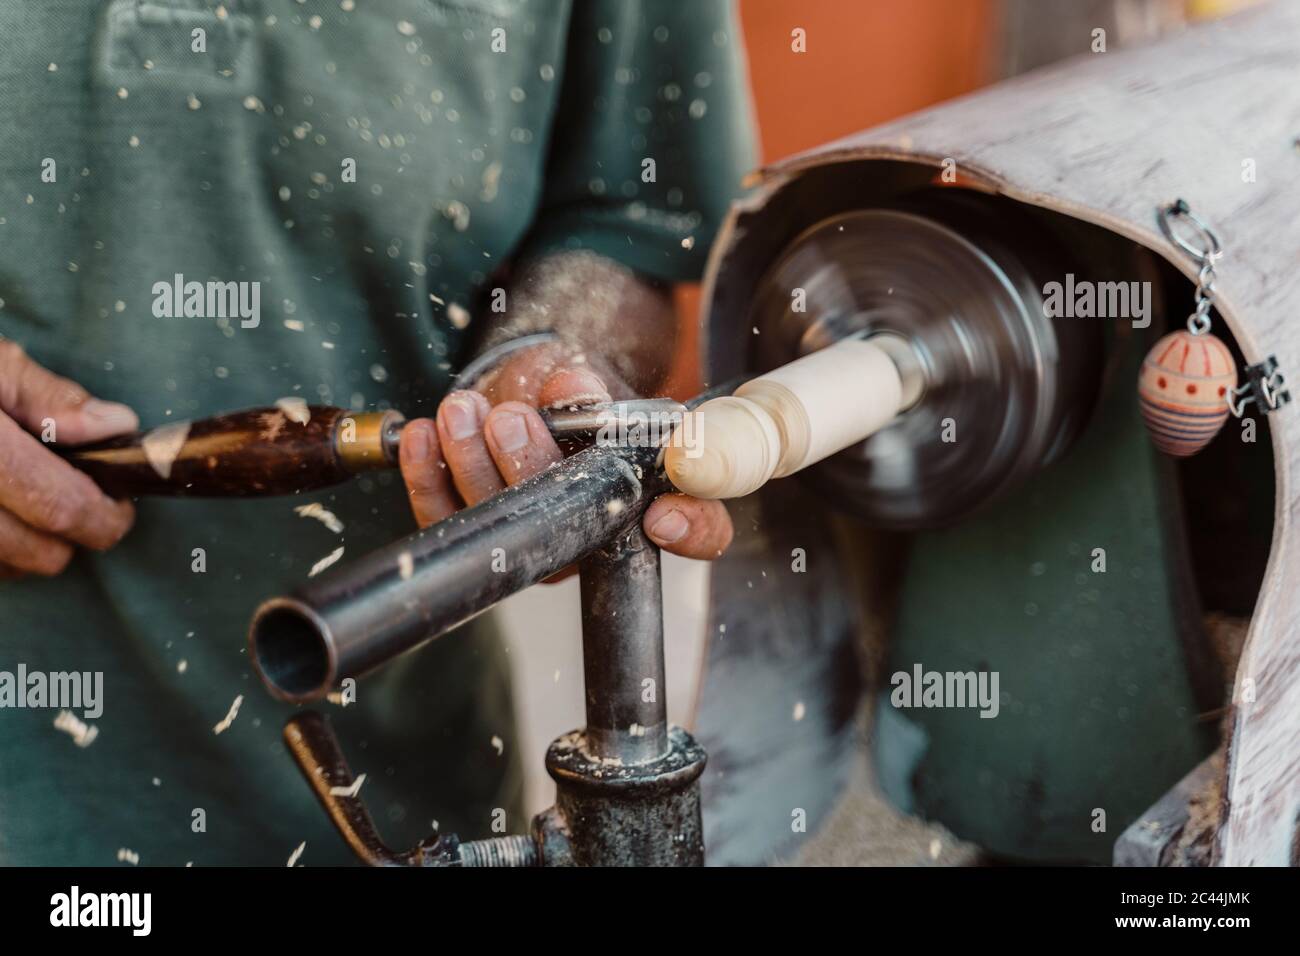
x,y
272,424
163,444
296,854
230,717
295,409
82,734
325,562
351,791
459,316
321,514
491,181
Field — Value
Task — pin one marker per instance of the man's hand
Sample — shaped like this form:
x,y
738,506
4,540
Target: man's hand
x,y
47,507
487,439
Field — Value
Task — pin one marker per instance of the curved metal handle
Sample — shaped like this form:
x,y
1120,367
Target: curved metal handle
x,y
316,751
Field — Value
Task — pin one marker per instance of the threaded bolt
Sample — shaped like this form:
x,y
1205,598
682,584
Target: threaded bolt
x,y
500,851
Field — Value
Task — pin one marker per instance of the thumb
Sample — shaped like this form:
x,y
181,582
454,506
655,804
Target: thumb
x,y
54,408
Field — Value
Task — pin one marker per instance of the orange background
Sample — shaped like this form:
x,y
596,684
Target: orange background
x,y
866,62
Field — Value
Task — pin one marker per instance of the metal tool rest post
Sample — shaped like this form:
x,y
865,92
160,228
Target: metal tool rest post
x,y
627,785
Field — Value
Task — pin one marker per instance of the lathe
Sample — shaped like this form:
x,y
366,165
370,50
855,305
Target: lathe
x,y
883,334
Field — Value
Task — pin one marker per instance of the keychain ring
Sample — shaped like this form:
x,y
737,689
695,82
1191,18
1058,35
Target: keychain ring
x,y
1179,209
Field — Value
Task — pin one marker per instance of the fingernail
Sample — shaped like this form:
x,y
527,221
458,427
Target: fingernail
x,y
586,387
460,418
670,528
509,431
417,444
112,414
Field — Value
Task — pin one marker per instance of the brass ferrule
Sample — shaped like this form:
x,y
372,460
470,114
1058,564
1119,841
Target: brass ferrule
x,y
366,441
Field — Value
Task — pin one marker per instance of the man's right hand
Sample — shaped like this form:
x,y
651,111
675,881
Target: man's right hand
x,y
484,441
47,507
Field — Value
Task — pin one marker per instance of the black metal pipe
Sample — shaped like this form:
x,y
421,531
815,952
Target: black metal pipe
x,y
623,650
354,618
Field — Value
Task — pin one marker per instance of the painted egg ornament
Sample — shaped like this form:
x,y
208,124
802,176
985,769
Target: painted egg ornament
x,y
1183,388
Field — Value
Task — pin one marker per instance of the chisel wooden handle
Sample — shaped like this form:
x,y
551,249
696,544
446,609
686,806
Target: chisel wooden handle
x,y
289,448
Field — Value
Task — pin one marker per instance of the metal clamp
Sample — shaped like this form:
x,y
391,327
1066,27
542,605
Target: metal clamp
x,y
1265,386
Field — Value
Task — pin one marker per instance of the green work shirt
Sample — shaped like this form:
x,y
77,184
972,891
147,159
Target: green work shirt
x,y
217,142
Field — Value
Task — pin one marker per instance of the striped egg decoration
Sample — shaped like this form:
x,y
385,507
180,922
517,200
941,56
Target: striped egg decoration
x,y
1183,388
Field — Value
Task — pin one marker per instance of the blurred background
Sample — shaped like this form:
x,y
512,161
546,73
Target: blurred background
x,y
867,62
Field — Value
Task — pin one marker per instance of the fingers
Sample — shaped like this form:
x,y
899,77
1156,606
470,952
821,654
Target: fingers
x,y
537,376
689,527
460,431
493,438
34,396
49,495
46,505
519,442
427,477
572,386
521,376
24,550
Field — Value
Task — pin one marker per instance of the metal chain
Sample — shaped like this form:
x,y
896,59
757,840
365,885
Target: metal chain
x,y
1198,323
1210,251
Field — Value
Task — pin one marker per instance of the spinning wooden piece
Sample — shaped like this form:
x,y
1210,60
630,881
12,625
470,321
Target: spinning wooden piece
x,y
1184,387
782,422
910,369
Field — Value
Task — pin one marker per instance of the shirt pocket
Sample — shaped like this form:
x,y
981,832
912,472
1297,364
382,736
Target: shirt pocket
x,y
494,10
167,41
